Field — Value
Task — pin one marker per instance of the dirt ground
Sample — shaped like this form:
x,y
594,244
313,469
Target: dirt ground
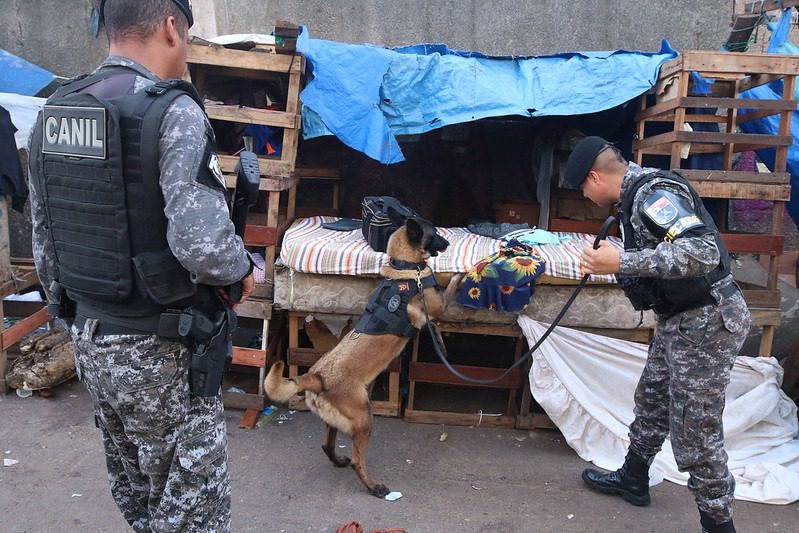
x,y
476,480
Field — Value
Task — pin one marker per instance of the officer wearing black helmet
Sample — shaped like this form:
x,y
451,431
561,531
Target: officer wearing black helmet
x,y
674,263
130,231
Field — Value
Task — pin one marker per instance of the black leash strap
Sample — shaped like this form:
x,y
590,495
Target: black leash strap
x,y
441,349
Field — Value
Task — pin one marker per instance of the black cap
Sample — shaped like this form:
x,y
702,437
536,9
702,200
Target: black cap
x,y
97,15
582,159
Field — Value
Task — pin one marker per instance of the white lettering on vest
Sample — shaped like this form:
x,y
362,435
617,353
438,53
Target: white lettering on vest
x,y
50,128
77,131
63,132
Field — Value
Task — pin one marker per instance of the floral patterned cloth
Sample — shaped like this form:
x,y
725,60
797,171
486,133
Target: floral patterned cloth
x,y
504,281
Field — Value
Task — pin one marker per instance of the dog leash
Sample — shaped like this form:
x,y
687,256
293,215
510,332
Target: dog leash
x,y
438,341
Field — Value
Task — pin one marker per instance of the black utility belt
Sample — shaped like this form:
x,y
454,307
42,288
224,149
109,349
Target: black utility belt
x,y
726,291
163,324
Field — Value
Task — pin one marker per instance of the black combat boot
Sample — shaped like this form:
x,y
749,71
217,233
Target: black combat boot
x,y
710,526
631,481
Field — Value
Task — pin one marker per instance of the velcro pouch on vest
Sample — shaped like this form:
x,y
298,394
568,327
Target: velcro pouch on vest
x,y
162,277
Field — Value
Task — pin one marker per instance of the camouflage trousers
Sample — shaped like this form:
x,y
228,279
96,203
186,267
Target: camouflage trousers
x,y
681,394
166,449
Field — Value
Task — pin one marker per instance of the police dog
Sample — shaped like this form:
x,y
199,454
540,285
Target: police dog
x,y
336,387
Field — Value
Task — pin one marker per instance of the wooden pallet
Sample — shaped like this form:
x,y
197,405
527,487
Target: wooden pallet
x,y
211,64
733,73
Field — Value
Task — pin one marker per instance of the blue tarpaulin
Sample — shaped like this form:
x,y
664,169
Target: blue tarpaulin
x,y
366,95
20,76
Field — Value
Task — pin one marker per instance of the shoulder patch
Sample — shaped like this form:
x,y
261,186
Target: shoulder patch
x,y
662,211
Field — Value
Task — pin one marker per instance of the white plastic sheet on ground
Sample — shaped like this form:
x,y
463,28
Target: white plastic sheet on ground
x,y
585,383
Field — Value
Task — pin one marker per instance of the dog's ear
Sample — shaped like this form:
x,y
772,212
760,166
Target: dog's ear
x,y
415,231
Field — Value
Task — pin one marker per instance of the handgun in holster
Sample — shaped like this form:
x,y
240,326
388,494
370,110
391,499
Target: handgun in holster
x,y
211,339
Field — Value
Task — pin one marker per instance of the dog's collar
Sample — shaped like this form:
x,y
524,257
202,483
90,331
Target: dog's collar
x,y
407,265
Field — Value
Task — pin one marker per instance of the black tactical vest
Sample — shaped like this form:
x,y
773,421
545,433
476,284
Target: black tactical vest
x,y
387,309
95,146
669,296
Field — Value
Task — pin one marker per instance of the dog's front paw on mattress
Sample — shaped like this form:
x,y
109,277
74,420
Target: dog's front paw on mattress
x,y
380,490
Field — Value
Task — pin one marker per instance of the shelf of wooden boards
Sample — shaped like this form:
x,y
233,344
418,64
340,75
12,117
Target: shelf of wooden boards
x,y
678,103
212,66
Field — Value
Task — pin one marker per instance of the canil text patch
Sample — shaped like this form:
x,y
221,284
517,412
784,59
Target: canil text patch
x,y
74,131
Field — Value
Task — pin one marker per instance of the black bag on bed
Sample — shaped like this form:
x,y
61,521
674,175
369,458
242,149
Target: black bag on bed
x,y
381,216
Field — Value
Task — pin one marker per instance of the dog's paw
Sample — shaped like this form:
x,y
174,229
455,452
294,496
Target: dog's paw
x,y
380,490
341,461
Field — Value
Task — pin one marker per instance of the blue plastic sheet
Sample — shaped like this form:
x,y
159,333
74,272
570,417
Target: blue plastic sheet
x,y
20,76
366,95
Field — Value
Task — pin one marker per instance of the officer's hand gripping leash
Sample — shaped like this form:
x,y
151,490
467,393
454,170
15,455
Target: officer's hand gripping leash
x,y
438,342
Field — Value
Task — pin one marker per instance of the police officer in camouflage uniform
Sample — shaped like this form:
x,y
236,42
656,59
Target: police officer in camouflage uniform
x,y
166,447
675,263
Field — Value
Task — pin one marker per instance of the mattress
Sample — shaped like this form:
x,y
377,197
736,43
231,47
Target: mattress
x,y
597,306
328,272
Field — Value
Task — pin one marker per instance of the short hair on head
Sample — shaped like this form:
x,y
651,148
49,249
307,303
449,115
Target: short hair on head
x,y
609,159
139,19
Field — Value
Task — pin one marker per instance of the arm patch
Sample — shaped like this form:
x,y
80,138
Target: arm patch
x,y
668,215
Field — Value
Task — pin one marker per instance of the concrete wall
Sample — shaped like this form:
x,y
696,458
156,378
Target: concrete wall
x,y
53,33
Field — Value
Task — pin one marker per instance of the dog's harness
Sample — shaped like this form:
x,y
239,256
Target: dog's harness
x,y
387,309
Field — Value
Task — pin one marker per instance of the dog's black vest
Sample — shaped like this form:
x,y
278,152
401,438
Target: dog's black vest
x,y
387,310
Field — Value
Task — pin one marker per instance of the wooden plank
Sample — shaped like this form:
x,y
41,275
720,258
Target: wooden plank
x,y
534,421
243,401
12,335
318,173
438,373
249,419
765,317
458,419
753,243
769,5
249,60
738,62
255,308
736,176
742,191
762,299
715,137
249,357
22,278
275,174
251,115
257,235
707,102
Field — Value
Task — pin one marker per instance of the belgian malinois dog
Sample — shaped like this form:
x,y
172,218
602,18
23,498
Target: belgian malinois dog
x,y
336,386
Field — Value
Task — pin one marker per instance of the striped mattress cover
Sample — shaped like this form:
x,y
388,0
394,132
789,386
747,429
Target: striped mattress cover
x,y
310,248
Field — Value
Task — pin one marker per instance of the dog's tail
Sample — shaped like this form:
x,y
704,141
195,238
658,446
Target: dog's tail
x,y
281,390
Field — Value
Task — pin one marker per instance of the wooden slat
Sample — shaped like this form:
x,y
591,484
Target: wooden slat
x,y
706,102
753,243
502,330
275,174
762,299
671,137
12,335
738,62
249,357
250,60
257,235
318,173
769,5
243,400
736,176
255,308
437,373
742,191
251,115
766,317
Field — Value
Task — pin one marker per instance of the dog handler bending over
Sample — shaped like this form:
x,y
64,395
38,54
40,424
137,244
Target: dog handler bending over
x,y
130,225
675,263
